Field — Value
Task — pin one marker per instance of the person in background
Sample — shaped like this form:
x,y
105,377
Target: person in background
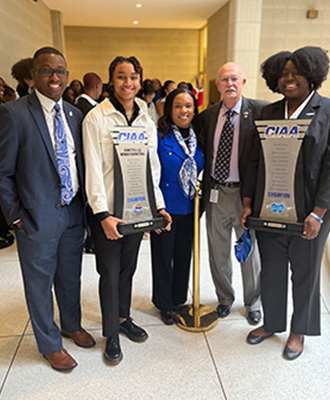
x,y
92,91
198,91
297,76
42,196
105,92
157,85
229,132
147,93
168,87
6,92
68,95
147,82
77,87
85,102
181,158
21,71
6,237
116,255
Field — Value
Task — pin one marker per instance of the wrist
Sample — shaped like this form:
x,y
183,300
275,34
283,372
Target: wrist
x,y
319,219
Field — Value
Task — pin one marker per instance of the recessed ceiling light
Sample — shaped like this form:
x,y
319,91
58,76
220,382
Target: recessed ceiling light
x,y
135,22
139,5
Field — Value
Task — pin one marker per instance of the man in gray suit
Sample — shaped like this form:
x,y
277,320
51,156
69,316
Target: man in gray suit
x,y
229,131
42,195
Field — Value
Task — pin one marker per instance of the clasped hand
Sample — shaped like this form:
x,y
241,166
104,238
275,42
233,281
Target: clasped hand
x,y
311,228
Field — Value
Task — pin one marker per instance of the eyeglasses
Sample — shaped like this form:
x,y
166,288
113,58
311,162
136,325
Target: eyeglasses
x,y
61,73
234,79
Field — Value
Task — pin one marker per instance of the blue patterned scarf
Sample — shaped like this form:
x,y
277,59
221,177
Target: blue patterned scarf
x,y
188,170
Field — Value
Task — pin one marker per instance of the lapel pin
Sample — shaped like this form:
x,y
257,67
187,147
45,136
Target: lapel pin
x,y
245,114
70,113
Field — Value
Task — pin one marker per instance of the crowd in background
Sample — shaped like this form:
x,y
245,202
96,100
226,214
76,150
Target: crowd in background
x,y
85,95
222,140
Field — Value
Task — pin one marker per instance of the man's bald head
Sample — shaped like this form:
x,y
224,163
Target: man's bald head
x,y
230,82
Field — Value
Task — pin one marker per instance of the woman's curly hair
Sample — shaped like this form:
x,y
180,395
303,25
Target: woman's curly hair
x,y
311,62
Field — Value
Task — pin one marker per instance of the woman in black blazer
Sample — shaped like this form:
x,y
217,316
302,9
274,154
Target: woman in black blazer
x,y
297,76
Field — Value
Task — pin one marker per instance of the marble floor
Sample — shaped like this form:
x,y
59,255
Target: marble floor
x,y
173,363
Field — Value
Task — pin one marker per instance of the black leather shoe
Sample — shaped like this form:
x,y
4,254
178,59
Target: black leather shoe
x,y
89,245
254,317
133,331
6,241
223,311
167,317
112,352
254,339
290,354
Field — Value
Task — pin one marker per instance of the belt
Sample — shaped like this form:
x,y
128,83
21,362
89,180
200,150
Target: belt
x,y
230,185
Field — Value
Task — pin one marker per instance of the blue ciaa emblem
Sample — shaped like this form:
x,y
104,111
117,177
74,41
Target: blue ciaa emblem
x,y
277,208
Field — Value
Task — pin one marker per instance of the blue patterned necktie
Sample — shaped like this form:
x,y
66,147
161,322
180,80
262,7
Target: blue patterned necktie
x,y
62,157
222,163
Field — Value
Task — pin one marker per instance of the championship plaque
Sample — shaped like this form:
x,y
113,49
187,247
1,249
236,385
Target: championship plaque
x,y
279,201
133,186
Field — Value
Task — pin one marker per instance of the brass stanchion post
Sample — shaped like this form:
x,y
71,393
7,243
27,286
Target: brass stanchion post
x,y
196,317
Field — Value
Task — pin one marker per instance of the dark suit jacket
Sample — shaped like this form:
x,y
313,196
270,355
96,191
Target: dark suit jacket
x,y
30,186
250,111
84,105
315,150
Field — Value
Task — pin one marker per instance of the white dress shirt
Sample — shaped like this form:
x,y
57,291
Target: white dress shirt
x,y
234,171
47,105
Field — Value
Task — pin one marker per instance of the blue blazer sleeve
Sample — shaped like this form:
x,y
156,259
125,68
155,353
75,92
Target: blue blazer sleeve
x,y
171,158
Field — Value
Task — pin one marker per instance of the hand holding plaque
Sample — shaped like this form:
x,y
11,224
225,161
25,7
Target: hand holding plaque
x,y
134,193
279,204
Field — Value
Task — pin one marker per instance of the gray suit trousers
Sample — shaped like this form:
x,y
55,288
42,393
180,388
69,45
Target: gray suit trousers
x,y
221,218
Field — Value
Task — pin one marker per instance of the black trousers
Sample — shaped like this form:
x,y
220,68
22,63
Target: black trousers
x,y
278,252
116,262
171,256
4,229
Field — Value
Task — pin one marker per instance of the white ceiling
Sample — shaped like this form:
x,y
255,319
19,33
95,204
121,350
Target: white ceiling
x,y
184,14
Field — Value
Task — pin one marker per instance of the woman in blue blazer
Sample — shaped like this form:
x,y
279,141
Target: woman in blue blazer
x,y
182,159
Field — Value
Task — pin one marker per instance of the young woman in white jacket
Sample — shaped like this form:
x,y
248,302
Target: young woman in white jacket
x,y
116,255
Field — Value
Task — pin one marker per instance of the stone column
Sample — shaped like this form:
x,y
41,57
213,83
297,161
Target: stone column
x,y
58,30
244,40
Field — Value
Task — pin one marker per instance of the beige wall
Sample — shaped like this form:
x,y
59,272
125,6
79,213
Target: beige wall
x,y
25,26
285,27
163,53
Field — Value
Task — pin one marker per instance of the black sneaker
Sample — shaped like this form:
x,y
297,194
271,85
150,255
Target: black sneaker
x,y
133,331
112,352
